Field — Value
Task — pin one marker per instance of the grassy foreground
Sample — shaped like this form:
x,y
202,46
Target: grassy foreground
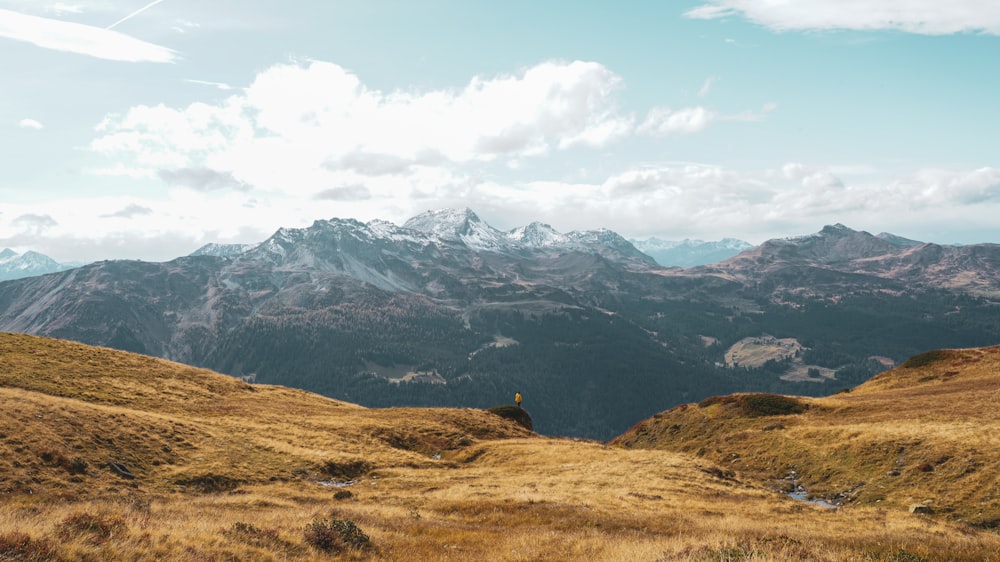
x,y
112,456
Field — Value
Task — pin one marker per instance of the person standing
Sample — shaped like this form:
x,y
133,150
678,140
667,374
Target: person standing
x,y
517,398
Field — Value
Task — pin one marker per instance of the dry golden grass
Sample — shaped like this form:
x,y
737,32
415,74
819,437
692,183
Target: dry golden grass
x,y
226,471
926,432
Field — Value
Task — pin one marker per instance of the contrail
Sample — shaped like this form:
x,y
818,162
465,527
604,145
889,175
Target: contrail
x,y
135,13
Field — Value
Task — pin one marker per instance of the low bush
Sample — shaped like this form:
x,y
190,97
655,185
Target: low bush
x,y
335,535
759,405
519,415
210,483
20,547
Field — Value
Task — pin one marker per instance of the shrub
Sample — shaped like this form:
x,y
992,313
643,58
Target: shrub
x,y
518,415
20,547
758,405
99,528
347,470
335,535
210,483
77,466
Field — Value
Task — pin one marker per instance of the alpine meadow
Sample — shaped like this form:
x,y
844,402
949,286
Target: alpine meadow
x,y
692,281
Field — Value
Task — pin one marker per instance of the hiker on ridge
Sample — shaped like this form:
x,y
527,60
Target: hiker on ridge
x,y
517,398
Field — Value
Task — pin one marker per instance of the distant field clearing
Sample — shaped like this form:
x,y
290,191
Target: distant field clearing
x,y
754,352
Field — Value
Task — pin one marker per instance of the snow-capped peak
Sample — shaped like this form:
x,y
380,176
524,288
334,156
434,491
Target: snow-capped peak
x,y
460,225
536,235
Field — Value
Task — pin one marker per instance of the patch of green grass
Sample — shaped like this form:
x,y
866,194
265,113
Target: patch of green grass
x,y
926,358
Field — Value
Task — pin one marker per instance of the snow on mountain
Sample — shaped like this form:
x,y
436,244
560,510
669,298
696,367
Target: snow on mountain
x,y
223,250
898,240
536,235
460,225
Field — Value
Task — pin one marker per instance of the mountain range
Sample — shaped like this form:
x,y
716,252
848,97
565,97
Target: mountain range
x,y
446,310
689,253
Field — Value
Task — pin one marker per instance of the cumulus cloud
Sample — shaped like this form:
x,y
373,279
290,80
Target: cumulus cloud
x,y
81,39
30,124
130,211
926,17
317,118
34,223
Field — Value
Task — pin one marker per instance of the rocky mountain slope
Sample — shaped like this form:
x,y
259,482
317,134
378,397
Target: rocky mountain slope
x,y
449,311
889,261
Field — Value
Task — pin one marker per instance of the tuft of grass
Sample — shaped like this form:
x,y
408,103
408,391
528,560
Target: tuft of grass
x,y
95,528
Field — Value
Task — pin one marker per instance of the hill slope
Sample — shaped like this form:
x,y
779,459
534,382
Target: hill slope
x,y
927,432
207,467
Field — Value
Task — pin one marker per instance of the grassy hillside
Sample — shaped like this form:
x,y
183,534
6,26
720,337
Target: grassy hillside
x,y
206,467
927,432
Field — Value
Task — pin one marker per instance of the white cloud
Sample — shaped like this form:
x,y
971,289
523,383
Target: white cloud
x,y
662,121
665,121
30,124
304,123
927,17
707,86
81,39
219,85
60,8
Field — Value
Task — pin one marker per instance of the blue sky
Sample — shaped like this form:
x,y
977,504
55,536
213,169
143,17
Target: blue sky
x,y
139,129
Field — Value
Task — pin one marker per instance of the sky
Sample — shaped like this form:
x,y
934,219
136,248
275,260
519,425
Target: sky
x,y
138,129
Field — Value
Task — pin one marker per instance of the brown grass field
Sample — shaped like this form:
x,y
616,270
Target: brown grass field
x,y
211,468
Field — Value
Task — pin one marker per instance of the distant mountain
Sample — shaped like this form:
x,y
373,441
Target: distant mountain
x,y
223,250
842,259
689,253
447,310
28,264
